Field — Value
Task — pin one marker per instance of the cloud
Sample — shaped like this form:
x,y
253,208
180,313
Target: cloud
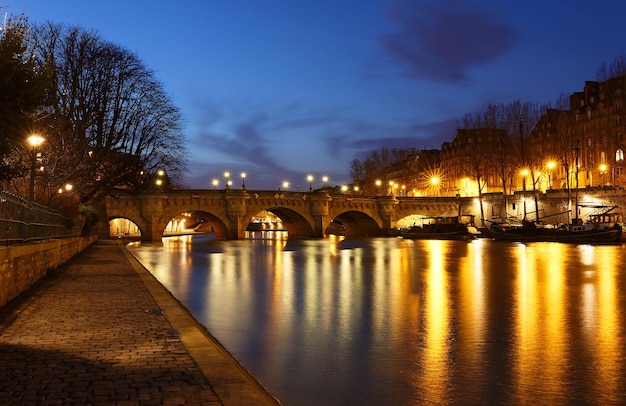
x,y
276,142
440,41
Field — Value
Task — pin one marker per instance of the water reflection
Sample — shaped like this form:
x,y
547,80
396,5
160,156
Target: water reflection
x,y
390,321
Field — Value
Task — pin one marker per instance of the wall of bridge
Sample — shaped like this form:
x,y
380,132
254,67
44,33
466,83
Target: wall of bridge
x,y
308,214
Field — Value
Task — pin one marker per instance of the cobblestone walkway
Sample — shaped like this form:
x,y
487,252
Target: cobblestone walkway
x,y
91,333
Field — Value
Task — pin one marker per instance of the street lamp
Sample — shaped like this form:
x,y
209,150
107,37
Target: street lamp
x,y
434,184
227,183
603,168
35,142
524,173
215,183
550,165
243,180
286,185
378,184
310,180
325,180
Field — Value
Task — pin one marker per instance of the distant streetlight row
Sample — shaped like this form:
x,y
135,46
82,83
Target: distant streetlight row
x,y
285,184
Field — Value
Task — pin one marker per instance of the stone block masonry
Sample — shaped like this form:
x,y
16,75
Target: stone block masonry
x,y
23,265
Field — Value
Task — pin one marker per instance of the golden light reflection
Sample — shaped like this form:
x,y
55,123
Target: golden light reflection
x,y
472,310
449,318
609,332
541,325
434,378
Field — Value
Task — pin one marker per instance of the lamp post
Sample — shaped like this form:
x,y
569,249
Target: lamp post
x,y
550,165
524,173
378,184
227,183
603,168
243,180
325,180
310,180
35,141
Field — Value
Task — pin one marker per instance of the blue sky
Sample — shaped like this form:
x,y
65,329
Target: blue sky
x,y
280,89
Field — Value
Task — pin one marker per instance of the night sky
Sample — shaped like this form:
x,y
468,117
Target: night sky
x,y
285,88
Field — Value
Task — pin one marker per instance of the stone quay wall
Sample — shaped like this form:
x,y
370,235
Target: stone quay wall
x,y
23,265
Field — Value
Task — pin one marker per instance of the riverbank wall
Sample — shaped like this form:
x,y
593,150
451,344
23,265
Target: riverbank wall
x,y
24,264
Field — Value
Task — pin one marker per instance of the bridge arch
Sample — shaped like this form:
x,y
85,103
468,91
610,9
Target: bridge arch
x,y
120,226
295,223
358,224
199,221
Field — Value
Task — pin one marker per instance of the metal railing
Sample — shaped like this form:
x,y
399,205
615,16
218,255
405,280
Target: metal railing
x,y
24,221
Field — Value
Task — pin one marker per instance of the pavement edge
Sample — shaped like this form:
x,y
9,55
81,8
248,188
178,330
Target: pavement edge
x,y
231,381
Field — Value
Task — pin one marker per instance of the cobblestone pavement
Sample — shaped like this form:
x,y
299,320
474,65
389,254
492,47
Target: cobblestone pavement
x,y
91,333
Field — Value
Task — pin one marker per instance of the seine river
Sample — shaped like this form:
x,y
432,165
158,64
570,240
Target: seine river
x,y
387,321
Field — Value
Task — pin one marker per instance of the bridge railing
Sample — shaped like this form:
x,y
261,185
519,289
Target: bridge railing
x,y
24,221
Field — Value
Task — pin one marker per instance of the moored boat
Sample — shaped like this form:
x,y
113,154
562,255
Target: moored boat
x,y
599,228
442,228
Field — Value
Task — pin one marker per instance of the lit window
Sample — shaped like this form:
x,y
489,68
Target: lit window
x,y
619,155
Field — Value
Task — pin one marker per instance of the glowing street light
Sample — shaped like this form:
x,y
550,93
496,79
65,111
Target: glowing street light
x,y
325,181
310,180
67,188
379,184
524,173
286,185
550,165
603,169
215,183
35,142
227,183
243,180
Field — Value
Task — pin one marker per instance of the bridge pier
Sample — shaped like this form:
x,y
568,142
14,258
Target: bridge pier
x,y
236,210
319,211
386,209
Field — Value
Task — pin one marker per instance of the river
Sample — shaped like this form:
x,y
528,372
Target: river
x,y
387,321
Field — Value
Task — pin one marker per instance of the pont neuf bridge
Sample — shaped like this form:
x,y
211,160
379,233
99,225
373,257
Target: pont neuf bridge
x,y
308,214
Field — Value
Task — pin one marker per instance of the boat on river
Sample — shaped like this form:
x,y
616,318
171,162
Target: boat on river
x,y
442,228
604,227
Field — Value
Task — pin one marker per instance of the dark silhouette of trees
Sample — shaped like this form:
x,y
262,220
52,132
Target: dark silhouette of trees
x,y
24,96
376,165
113,125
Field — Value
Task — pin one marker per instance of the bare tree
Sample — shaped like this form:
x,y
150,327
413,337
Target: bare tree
x,y
114,125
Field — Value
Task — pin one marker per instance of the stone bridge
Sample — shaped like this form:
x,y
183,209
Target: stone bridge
x,y
308,214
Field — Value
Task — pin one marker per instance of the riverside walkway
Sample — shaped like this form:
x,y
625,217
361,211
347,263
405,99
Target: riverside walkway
x,y
101,330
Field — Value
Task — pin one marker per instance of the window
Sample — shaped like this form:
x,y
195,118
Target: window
x,y
589,142
619,155
602,157
620,137
589,114
619,171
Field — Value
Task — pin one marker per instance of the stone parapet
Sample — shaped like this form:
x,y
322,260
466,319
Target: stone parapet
x,y
23,265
